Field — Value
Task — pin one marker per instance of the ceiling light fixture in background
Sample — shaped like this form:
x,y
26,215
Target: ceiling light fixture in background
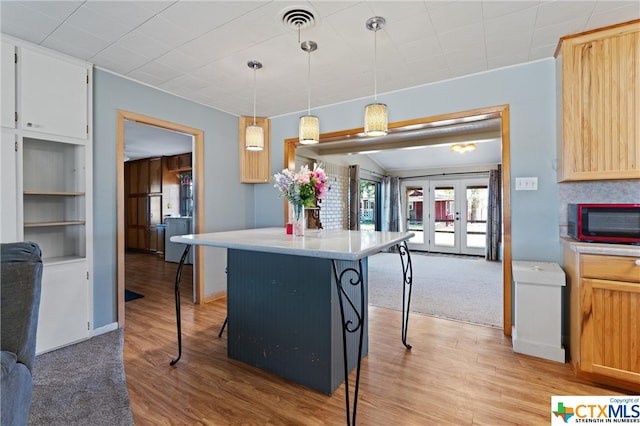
x,y
254,134
375,114
463,148
309,132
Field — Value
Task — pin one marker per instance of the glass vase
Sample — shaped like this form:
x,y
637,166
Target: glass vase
x,y
298,220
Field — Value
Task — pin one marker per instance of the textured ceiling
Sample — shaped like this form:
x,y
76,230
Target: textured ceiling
x,y
199,49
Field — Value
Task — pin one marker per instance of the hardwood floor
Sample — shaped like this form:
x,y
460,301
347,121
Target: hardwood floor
x,y
456,373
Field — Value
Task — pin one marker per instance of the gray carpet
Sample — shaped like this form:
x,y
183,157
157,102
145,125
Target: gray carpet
x,y
461,288
83,384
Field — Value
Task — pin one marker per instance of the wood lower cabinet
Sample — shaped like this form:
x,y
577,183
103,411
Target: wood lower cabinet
x,y
604,316
599,103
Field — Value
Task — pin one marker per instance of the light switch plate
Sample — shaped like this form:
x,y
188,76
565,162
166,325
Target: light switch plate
x,y
526,184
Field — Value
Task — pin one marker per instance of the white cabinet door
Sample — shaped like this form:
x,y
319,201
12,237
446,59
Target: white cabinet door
x,y
9,187
64,306
54,95
8,85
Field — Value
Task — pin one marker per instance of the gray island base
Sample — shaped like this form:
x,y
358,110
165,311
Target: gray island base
x,y
297,306
284,317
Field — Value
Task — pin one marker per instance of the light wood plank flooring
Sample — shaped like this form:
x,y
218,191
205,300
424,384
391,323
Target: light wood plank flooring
x,y
456,373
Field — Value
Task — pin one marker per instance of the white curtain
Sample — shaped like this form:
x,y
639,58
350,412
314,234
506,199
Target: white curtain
x,y
390,199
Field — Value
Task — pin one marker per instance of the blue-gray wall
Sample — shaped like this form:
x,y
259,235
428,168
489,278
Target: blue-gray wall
x,y
228,204
528,89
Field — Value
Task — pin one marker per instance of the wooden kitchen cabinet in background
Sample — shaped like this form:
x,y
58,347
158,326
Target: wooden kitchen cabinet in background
x,y
604,297
143,203
179,163
599,104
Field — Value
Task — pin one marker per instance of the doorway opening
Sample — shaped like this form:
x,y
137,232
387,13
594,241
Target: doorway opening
x,y
198,198
354,140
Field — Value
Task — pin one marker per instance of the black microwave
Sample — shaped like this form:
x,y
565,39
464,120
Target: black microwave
x,y
607,223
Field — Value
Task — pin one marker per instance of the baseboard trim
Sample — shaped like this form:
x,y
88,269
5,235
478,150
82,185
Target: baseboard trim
x,y
105,329
215,296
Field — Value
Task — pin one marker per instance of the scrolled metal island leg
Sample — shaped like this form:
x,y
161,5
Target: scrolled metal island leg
x,y
358,310
407,282
177,293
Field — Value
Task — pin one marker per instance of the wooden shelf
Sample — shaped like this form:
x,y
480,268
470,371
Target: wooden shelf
x,y
55,193
61,223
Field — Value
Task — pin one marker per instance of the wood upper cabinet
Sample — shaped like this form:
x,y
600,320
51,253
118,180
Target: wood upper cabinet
x,y
600,104
179,163
255,166
143,177
155,175
605,317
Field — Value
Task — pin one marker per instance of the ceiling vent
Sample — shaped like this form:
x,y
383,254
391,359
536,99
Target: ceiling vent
x,y
297,18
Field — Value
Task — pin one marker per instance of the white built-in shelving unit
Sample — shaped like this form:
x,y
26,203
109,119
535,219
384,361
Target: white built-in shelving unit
x,y
46,170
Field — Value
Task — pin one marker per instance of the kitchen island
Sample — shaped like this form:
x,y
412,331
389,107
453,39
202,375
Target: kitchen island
x,y
297,306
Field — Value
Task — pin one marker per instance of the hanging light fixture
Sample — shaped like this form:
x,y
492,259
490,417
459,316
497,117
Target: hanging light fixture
x,y
463,148
254,134
309,132
375,114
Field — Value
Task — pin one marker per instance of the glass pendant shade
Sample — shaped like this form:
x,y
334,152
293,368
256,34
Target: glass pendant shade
x,y
463,148
375,119
254,138
309,130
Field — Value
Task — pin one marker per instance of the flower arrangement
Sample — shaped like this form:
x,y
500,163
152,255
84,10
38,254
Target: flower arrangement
x,y
302,188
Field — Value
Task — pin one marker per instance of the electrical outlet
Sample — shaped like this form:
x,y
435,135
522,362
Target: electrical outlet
x,y
526,184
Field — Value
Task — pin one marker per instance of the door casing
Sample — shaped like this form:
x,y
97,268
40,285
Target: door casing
x,y
198,216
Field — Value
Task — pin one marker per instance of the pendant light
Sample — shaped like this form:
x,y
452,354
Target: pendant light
x,y
309,132
375,114
254,134
463,148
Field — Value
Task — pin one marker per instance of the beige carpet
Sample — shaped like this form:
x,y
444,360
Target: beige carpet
x,y
461,288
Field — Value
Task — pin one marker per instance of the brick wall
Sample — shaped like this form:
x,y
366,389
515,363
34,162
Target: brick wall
x,y
335,207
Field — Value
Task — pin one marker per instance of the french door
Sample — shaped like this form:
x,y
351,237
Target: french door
x,y
447,216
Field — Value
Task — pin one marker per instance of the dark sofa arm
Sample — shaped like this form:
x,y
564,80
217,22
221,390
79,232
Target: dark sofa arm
x,y
20,287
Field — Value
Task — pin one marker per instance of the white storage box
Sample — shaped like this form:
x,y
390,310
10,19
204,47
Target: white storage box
x,y
538,309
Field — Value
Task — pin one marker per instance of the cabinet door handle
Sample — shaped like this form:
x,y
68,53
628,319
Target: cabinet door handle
x,y
29,124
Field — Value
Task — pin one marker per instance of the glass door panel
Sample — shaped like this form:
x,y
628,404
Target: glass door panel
x,y
368,205
445,218
415,215
475,220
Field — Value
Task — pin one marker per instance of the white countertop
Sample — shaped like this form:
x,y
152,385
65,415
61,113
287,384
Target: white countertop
x,y
330,244
602,248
